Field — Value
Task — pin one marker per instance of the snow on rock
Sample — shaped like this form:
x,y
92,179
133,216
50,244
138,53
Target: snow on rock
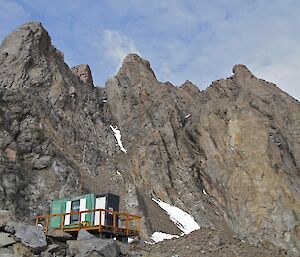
x,y
183,220
160,236
132,240
118,137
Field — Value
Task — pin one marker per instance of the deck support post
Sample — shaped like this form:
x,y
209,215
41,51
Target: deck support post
x,y
127,225
47,224
79,221
62,222
114,222
100,221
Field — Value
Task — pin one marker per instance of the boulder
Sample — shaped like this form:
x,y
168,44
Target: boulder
x,y
59,235
124,248
73,247
21,250
30,236
53,248
6,239
8,254
5,216
46,254
93,247
12,227
84,235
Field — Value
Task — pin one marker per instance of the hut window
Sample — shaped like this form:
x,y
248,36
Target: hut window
x,y
75,208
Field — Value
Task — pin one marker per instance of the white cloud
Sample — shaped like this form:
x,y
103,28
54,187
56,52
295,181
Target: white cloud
x,y
116,46
283,73
166,71
10,10
260,34
195,40
11,16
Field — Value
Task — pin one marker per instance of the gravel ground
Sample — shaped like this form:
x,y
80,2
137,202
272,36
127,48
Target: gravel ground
x,y
208,243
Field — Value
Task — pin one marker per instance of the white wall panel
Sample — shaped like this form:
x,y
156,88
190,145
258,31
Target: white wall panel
x,y
100,204
82,208
68,210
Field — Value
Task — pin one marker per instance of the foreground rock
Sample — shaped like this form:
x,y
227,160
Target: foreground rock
x,y
6,239
204,242
84,235
5,216
88,245
59,235
31,236
21,250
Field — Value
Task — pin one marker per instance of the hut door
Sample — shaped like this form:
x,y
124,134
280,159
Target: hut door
x,y
100,204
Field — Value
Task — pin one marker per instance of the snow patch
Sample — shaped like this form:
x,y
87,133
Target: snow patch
x,y
160,236
182,220
132,240
117,134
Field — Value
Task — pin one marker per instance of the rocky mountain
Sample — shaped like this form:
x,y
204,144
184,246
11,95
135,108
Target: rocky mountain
x,y
228,155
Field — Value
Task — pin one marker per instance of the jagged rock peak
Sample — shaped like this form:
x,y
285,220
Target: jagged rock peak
x,y
133,63
241,68
83,71
241,73
189,86
31,35
135,58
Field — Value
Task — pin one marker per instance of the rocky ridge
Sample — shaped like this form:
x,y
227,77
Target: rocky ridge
x,y
238,141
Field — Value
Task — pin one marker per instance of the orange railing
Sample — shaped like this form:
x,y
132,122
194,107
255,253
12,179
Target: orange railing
x,y
123,223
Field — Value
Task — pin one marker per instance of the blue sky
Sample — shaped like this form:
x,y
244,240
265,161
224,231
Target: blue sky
x,y
196,40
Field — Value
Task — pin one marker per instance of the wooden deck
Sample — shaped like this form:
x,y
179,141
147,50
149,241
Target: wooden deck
x,y
123,224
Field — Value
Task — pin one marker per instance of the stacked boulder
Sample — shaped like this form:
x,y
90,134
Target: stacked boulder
x,y
89,245
17,239
23,240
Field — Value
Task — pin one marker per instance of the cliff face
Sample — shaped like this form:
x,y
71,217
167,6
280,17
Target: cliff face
x,y
51,123
238,140
228,155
